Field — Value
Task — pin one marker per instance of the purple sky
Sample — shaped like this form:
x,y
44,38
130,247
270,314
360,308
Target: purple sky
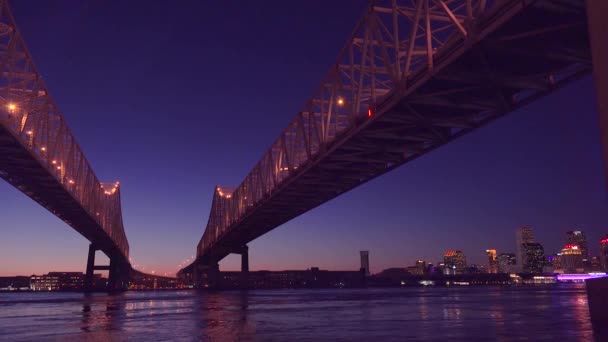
x,y
174,97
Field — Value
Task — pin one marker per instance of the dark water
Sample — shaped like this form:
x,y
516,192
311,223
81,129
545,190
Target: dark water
x,y
554,313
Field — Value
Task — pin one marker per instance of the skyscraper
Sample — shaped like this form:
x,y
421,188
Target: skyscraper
x,y
604,252
523,235
571,259
577,237
456,260
507,263
365,261
492,261
534,257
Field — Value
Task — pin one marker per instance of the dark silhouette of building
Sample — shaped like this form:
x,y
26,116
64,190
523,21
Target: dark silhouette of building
x,y
534,260
507,263
365,261
312,278
523,235
456,260
577,237
14,283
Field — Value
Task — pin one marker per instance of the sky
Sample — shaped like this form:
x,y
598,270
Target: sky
x,y
172,98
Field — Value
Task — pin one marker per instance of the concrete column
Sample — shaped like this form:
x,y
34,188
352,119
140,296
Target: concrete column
x,y
597,14
597,296
245,267
113,276
88,280
119,275
245,259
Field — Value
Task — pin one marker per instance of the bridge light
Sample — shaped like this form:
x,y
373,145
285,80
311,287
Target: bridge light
x,y
43,149
12,107
370,112
54,162
58,167
29,132
340,101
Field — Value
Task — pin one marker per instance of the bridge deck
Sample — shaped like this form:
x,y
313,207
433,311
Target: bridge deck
x,y
515,53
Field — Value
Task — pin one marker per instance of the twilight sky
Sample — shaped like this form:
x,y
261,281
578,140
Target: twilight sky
x,y
174,97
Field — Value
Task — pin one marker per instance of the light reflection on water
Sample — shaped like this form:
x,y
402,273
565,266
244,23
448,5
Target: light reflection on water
x,y
456,314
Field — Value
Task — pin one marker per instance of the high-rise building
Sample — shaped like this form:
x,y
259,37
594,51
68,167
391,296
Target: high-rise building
x,y
604,252
365,261
492,261
534,260
571,259
523,235
456,260
507,263
595,265
554,263
421,266
577,237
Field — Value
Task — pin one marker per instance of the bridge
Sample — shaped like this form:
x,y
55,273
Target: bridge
x,y
414,76
40,157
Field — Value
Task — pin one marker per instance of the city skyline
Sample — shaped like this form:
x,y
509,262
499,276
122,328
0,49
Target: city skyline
x,y
166,210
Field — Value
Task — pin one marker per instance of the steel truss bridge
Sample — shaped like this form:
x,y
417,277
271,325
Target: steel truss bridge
x,y
414,75
39,156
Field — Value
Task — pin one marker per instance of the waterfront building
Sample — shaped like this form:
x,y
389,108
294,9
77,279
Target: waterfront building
x,y
56,281
507,263
604,252
311,278
492,261
455,260
577,237
571,259
595,264
523,235
16,283
365,261
554,263
534,260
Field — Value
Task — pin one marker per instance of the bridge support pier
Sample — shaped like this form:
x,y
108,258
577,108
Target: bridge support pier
x,y
88,280
244,267
597,12
118,279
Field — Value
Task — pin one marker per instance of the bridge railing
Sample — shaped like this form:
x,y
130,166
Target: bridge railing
x,y
30,114
394,44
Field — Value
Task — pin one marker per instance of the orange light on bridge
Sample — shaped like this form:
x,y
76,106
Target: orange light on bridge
x,y
30,132
11,106
54,162
340,101
43,149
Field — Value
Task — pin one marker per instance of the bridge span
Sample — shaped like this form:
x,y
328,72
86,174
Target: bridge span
x,y
40,157
414,75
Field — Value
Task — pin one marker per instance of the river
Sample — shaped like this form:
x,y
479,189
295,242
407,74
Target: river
x,y
551,313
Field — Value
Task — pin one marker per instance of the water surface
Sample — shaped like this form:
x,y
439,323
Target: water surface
x,y
548,313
